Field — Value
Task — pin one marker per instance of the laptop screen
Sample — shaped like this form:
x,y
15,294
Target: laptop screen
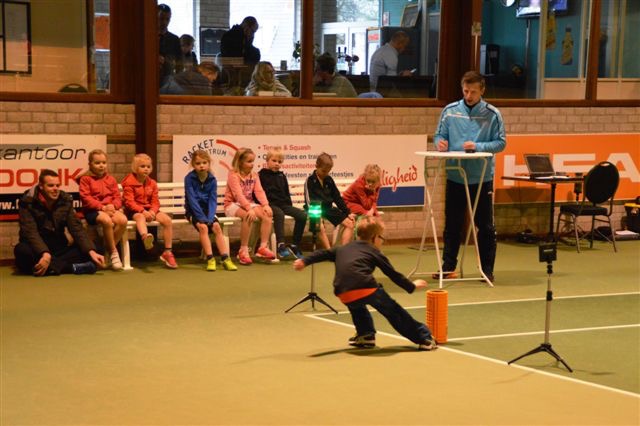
x,y
539,164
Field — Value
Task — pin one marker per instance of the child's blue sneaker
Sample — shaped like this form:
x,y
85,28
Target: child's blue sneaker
x,y
296,251
283,251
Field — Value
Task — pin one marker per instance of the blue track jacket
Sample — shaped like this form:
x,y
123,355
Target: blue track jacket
x,y
481,124
201,197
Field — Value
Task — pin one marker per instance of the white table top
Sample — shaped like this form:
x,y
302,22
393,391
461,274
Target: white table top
x,y
454,154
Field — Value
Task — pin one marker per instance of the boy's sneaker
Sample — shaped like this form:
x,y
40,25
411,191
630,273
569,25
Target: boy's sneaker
x,y
366,341
283,251
445,275
84,268
116,263
211,264
244,258
428,345
169,259
265,253
296,251
229,265
147,240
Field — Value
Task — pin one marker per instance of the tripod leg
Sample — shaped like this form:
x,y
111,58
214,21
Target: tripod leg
x,y
548,349
531,352
319,299
304,299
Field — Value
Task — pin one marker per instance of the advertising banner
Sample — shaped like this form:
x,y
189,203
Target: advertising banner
x,y
570,153
402,170
22,157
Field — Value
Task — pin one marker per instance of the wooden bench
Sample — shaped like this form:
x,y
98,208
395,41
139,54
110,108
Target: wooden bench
x,y
172,199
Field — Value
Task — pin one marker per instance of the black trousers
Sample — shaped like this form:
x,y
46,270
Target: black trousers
x,y
300,217
455,211
61,260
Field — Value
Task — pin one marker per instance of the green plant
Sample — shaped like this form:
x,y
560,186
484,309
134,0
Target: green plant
x,y
297,50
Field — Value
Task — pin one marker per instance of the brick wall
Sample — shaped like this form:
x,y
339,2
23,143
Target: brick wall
x,y
117,122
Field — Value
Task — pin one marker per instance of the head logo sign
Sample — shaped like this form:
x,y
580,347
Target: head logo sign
x,y
220,150
402,170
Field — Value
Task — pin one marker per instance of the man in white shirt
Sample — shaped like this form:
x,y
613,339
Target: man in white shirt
x,y
384,61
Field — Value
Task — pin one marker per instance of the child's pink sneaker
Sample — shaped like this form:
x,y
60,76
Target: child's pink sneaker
x,y
265,253
169,259
244,258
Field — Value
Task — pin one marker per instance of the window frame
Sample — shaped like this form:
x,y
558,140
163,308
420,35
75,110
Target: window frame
x,y
456,54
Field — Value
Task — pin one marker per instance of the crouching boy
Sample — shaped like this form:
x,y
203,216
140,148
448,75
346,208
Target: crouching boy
x,y
356,287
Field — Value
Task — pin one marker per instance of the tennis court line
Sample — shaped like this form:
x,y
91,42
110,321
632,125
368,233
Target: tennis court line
x,y
320,317
489,302
533,333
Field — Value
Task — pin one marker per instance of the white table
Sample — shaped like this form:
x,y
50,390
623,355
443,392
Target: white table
x,y
471,206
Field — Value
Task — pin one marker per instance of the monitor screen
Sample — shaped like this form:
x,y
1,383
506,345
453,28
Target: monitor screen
x,y
531,8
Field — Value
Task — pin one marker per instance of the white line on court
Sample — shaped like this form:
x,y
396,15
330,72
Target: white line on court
x,y
535,299
320,316
532,333
489,302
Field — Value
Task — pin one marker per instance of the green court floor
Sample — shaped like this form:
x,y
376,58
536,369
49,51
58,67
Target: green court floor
x,y
597,336
154,346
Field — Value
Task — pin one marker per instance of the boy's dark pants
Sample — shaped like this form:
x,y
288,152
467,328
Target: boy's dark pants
x,y
455,211
61,260
300,217
397,316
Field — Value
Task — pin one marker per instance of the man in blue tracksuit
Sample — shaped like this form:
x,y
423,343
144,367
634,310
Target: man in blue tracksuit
x,y
470,124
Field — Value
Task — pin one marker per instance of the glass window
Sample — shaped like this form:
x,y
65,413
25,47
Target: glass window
x,y
60,46
218,44
520,61
618,67
375,48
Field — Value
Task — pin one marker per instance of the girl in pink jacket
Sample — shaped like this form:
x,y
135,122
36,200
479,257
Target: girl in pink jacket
x,y
245,198
102,204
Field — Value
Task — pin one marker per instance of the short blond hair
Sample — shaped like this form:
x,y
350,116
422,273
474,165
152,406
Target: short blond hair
x,y
139,158
368,227
275,152
324,160
373,171
96,152
241,155
199,153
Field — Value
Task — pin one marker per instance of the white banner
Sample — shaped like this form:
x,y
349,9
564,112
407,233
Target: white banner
x,y
22,157
402,170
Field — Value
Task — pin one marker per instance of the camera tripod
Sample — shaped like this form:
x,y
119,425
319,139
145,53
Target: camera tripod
x,y
312,295
547,254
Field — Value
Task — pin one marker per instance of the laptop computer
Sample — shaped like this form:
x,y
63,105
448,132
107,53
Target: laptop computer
x,y
539,165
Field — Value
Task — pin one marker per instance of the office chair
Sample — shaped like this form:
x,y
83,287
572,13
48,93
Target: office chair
x,y
600,186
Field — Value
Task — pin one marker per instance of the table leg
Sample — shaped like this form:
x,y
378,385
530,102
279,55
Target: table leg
x,y
552,207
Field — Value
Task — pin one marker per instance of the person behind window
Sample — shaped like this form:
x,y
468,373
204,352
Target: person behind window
x,y
264,79
189,58
326,80
384,61
238,41
170,55
198,81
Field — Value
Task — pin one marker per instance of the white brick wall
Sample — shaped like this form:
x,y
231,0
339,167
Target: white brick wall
x,y
118,123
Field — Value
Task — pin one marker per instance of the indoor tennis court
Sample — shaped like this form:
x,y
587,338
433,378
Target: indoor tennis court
x,y
154,346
